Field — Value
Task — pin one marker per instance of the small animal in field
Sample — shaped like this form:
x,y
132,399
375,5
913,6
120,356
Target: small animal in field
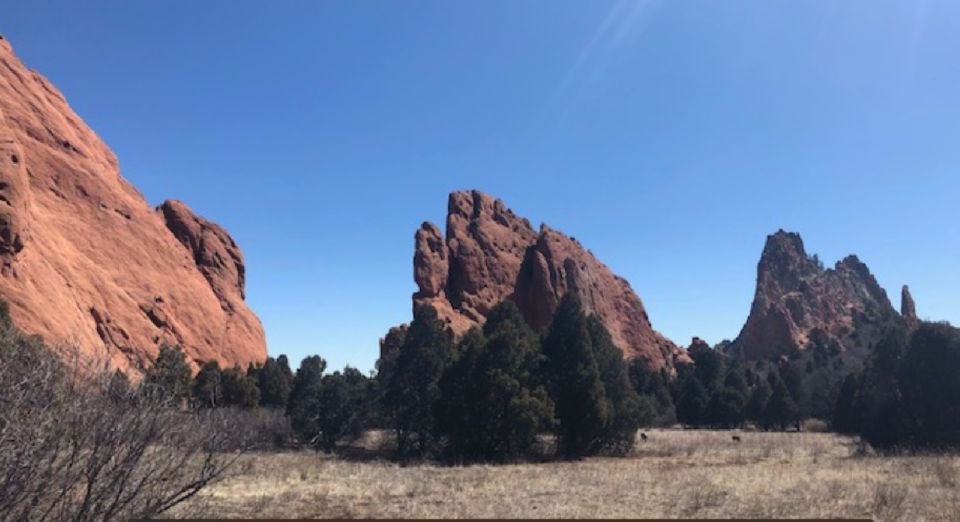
x,y
643,436
736,438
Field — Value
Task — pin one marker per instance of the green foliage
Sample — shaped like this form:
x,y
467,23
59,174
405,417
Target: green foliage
x,y
274,380
879,403
493,403
340,407
781,410
846,418
656,402
710,368
726,408
208,386
624,403
930,386
412,385
757,404
239,389
170,374
301,408
693,402
583,410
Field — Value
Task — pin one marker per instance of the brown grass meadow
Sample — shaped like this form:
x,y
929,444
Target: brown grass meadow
x,y
674,474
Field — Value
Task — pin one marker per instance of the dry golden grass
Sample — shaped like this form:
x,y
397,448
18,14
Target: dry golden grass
x,y
674,474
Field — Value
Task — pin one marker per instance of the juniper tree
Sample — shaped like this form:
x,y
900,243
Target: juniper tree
x,y
583,410
412,386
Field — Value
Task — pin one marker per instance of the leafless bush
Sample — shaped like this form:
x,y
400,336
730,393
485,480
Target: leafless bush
x,y
77,443
889,502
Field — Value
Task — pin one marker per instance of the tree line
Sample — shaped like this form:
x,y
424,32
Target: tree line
x,y
503,392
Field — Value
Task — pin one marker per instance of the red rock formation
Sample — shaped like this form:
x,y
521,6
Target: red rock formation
x,y
908,308
85,260
799,303
490,254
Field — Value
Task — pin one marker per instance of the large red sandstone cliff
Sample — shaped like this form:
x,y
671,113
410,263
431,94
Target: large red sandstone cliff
x,y
799,304
84,260
489,254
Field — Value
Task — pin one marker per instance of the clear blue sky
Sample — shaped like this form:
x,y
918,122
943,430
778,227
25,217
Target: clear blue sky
x,y
669,137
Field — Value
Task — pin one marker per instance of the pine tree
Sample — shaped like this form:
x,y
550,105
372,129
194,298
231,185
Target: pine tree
x,y
340,407
583,410
302,404
493,403
757,404
413,387
274,381
207,386
619,436
693,402
170,375
846,418
781,410
930,383
239,389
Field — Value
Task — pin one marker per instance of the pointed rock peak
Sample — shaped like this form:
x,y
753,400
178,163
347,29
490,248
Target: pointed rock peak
x,y
908,308
783,241
489,254
796,298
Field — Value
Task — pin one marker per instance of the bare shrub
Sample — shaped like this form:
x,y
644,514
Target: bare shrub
x,y
78,443
889,502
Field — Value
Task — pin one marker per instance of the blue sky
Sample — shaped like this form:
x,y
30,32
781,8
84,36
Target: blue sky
x,y
668,137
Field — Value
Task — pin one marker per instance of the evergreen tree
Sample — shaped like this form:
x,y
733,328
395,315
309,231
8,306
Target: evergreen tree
x,y
207,386
493,402
274,380
170,374
456,412
340,408
239,389
710,368
879,404
693,402
846,418
793,379
302,404
619,435
656,402
759,396
781,410
413,387
726,408
930,384
583,410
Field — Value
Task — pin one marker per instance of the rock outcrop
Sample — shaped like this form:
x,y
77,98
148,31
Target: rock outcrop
x,y
908,308
799,304
489,254
84,260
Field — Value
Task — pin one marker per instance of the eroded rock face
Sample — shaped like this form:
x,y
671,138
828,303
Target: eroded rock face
x,y
215,253
85,259
489,254
799,304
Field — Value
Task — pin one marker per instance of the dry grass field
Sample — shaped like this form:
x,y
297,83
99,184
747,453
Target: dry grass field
x,y
674,474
